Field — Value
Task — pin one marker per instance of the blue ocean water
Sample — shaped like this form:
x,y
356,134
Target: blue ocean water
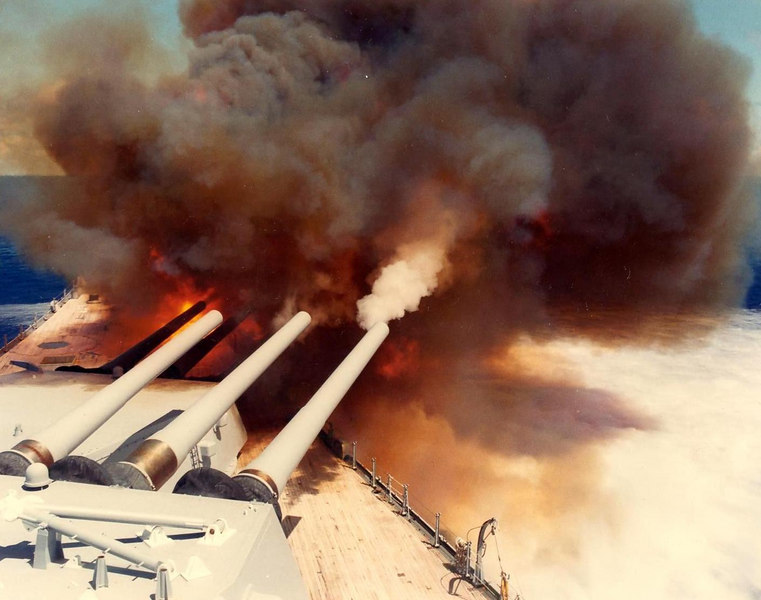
x,y
24,292
753,297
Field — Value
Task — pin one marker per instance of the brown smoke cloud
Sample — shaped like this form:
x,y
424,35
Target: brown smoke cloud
x,y
530,167
585,154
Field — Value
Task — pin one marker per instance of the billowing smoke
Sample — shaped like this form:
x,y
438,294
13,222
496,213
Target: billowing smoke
x,y
586,155
497,169
402,285
417,267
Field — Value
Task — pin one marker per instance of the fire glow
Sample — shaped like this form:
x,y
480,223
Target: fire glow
x,y
399,358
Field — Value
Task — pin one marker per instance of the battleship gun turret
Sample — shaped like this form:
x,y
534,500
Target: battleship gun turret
x,y
61,438
265,477
158,457
222,533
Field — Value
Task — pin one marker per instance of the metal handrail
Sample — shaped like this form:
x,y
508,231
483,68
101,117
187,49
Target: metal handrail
x,y
398,495
24,332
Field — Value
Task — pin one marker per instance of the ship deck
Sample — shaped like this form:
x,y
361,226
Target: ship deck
x,y
348,542
71,335
351,543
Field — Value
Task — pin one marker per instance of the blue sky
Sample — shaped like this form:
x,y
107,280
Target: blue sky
x,y
737,23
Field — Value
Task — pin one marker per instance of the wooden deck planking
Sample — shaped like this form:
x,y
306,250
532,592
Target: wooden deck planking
x,y
352,544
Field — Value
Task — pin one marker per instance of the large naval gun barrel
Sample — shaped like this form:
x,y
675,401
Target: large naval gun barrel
x,y
157,458
265,476
195,355
58,440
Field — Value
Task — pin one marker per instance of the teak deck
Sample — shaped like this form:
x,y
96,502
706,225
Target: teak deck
x,y
352,544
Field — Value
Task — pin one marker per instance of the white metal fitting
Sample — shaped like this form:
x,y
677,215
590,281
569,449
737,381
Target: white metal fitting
x,y
37,477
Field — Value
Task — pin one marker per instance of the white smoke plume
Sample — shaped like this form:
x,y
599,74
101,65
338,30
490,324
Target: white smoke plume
x,y
401,285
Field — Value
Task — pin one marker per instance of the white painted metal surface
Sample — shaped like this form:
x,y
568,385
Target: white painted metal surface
x,y
42,400
251,557
284,453
72,429
188,428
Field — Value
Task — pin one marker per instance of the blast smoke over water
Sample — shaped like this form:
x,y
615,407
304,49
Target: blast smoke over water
x,y
673,506
499,168
596,500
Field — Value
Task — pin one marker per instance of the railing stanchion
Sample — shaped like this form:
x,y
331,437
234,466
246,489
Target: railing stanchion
x,y
468,549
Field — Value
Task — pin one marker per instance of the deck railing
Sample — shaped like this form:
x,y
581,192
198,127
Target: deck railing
x,y
38,320
410,506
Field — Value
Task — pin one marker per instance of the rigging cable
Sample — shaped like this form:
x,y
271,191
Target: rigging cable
x,y
504,577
